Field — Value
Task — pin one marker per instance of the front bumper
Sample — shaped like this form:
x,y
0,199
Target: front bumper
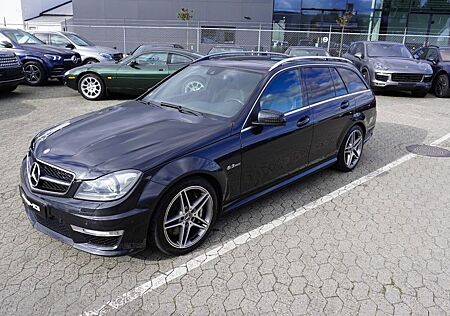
x,y
84,224
11,82
388,84
71,81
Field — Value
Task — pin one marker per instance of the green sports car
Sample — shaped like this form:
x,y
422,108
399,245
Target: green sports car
x,y
132,75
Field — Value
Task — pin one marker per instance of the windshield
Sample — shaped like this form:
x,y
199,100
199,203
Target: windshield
x,y
78,40
445,54
387,50
207,89
21,37
308,52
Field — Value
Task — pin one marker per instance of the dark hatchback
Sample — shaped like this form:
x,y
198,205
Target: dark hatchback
x,y
11,72
160,169
40,61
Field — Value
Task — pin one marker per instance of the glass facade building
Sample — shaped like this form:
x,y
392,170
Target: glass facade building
x,y
429,18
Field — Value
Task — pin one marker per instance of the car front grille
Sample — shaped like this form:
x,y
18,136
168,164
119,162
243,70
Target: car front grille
x,y
398,77
8,61
118,56
48,178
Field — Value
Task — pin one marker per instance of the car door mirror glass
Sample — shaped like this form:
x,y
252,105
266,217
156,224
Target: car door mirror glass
x,y
70,46
133,63
270,117
432,60
359,55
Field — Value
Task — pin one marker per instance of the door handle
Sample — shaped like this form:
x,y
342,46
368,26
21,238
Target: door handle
x,y
303,121
345,104
160,69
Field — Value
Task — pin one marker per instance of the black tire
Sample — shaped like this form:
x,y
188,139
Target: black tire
x,y
366,76
35,74
342,161
167,240
92,87
419,94
8,89
90,61
442,86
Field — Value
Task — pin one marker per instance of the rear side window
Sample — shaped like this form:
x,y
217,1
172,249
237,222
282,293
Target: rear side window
x,y
319,83
339,85
283,94
352,81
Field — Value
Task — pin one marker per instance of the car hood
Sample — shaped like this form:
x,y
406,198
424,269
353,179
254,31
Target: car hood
x,y
404,65
46,49
97,49
133,135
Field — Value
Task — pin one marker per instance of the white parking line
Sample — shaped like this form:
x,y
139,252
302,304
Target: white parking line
x,y
211,254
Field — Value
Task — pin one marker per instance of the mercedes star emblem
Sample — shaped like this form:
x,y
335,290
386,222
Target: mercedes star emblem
x,y
35,174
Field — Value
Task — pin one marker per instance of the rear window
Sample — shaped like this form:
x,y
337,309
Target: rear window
x,y
353,82
319,83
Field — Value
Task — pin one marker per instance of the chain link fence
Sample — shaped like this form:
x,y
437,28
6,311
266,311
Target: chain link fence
x,y
197,37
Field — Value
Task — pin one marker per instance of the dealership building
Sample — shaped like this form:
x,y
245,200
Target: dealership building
x,y
126,23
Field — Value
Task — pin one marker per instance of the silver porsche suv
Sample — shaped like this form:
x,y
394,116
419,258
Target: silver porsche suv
x,y
89,52
390,66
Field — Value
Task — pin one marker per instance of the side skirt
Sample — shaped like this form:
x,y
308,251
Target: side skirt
x,y
239,203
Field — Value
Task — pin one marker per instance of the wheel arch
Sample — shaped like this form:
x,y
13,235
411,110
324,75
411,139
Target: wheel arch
x,y
27,59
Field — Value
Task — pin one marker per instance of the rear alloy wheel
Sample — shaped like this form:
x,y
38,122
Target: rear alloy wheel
x,y
91,87
441,86
185,217
351,149
34,73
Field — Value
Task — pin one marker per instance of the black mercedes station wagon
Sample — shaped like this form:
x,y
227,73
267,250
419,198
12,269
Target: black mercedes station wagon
x,y
160,169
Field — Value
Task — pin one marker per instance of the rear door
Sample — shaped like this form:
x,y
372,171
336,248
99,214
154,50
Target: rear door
x,y
271,153
332,109
143,72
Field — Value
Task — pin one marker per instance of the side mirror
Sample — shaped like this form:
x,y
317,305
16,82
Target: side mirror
x,y
270,117
432,60
358,55
70,46
133,63
6,44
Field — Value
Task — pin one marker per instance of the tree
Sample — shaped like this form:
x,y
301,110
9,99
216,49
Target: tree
x,y
185,15
342,21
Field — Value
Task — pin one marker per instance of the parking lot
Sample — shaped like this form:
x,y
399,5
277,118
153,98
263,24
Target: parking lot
x,y
373,241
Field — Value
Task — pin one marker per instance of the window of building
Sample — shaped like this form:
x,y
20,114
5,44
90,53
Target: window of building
x,y
218,35
319,83
283,93
353,82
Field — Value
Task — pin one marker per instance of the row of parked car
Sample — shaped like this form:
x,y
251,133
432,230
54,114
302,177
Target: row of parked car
x,y
95,71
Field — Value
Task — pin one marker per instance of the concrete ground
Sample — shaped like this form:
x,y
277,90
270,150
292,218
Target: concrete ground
x,y
373,241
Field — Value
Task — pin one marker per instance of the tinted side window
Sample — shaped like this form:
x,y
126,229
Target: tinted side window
x,y
179,59
432,53
283,94
319,83
152,59
353,82
339,85
351,49
359,49
58,40
421,53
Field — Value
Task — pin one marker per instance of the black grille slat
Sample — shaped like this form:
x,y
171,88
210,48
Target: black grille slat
x,y
381,77
407,77
7,61
56,173
103,241
51,186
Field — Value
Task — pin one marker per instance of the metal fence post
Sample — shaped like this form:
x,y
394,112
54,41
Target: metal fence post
x,y
329,40
259,38
198,36
124,39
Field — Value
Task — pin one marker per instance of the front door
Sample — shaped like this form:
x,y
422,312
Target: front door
x,y
143,72
271,153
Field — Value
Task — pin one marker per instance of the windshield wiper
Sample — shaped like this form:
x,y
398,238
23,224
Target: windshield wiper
x,y
180,108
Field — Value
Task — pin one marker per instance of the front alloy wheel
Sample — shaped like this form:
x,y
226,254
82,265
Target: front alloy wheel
x,y
34,73
185,217
91,87
351,149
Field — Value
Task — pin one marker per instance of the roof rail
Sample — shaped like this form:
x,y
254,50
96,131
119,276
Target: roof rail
x,y
237,54
287,60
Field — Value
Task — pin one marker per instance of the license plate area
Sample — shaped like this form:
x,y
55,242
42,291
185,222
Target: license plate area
x,y
39,208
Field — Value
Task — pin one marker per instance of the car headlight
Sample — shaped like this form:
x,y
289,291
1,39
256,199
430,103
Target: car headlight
x,y
110,187
107,56
380,66
52,57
